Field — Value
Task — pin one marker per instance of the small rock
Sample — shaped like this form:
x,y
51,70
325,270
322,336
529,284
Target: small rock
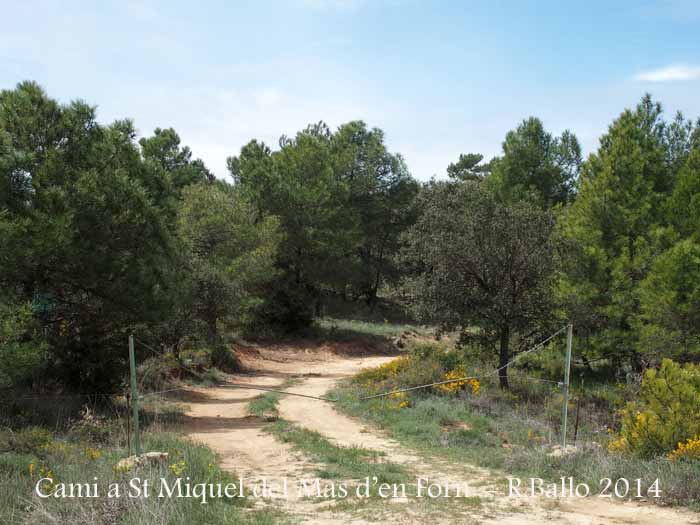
x,y
154,457
133,462
559,451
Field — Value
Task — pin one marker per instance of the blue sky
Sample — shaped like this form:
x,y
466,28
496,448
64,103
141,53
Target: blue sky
x,y
440,78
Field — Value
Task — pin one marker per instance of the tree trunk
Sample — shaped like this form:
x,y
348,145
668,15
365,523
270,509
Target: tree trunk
x,y
503,358
636,362
371,299
587,364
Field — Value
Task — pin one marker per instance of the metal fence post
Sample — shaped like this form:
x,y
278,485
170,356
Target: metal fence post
x,y
567,369
134,396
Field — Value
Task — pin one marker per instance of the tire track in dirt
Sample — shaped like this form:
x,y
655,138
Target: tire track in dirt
x,y
348,432
218,417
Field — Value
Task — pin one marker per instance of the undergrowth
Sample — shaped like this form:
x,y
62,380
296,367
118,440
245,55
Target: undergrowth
x,y
512,431
346,463
32,454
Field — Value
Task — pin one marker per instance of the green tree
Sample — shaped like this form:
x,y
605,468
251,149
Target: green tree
x,y
468,167
480,262
164,151
297,184
21,355
616,228
82,240
379,202
669,320
229,254
343,201
537,164
684,204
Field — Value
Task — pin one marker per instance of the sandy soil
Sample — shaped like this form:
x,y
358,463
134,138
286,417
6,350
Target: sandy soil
x,y
219,417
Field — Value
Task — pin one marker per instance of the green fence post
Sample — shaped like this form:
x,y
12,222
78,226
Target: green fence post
x,y
567,368
134,396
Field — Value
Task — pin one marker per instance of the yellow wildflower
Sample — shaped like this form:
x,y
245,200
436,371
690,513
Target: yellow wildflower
x,y
178,468
619,445
455,386
93,453
688,450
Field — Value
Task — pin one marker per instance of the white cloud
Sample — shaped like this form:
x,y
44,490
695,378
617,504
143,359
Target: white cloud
x,y
670,74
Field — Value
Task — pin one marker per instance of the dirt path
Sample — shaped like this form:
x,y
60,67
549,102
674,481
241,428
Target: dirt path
x,y
219,417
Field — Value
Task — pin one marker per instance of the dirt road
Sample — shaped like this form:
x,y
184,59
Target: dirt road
x,y
219,417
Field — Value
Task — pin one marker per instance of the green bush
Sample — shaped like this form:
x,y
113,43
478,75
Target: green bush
x,y
20,353
384,374
286,308
552,408
30,440
447,357
425,363
421,373
548,360
158,373
667,412
91,427
670,305
222,357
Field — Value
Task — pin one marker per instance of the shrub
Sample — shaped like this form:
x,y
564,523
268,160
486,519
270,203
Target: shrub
x,y
552,408
91,427
157,373
548,360
420,373
448,358
383,373
222,357
20,355
425,363
667,413
286,308
690,450
30,440
457,386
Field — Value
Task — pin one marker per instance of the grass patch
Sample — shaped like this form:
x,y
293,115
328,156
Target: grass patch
x,y
32,454
265,406
348,329
339,462
502,431
432,424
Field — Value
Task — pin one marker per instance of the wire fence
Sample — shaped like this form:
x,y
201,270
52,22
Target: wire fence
x,y
483,376
160,354
195,373
226,384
